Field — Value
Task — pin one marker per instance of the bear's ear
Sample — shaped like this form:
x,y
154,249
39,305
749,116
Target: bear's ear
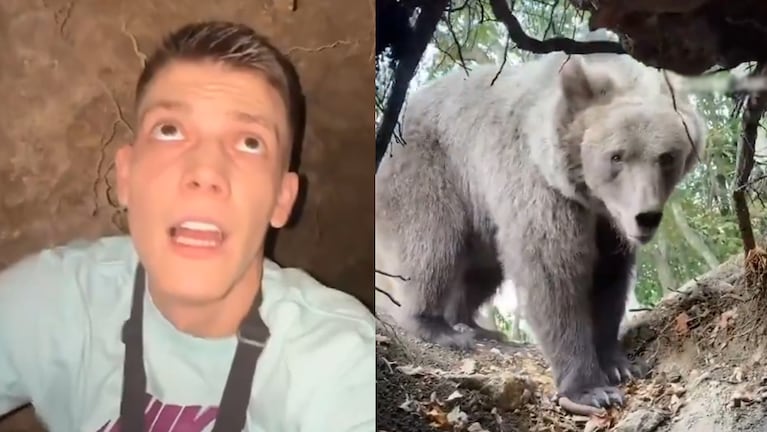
x,y
582,88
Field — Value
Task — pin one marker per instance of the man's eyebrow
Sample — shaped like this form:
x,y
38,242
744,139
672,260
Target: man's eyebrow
x,y
166,104
246,117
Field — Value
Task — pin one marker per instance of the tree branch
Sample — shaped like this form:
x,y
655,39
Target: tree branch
x,y
566,45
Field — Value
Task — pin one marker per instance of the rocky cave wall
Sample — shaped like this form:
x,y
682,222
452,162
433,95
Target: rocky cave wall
x,y
69,68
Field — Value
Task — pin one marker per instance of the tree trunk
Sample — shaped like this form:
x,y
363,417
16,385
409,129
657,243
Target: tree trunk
x,y
692,238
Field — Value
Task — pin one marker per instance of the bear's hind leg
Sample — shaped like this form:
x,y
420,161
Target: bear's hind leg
x,y
430,257
476,285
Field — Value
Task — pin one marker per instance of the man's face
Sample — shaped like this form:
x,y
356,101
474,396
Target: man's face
x,y
205,177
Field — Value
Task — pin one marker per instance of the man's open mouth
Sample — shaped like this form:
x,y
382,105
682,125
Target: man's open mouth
x,y
197,234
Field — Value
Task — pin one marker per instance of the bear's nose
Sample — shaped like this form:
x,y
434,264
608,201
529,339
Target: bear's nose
x,y
649,219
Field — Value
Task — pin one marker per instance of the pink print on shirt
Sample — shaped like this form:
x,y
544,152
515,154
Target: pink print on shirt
x,y
162,417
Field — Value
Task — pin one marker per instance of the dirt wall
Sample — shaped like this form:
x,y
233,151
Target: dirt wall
x,y
67,75
69,67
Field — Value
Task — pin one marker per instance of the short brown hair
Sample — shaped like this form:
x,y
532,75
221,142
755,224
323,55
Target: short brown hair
x,y
238,46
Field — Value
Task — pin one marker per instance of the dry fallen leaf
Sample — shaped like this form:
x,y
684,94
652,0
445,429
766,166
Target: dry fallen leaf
x,y
737,375
675,404
438,419
598,423
476,427
515,391
681,326
383,340
409,405
468,366
727,318
676,389
411,370
454,395
456,416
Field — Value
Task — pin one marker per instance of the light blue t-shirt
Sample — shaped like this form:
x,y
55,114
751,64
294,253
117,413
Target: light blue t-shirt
x,y
61,316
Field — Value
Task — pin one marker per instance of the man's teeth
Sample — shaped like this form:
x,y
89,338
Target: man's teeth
x,y
194,242
200,226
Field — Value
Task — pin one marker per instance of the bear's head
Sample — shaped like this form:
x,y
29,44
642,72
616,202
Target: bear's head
x,y
631,136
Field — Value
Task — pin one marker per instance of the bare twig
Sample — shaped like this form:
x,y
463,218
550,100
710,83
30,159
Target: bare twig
x,y
388,295
550,26
457,44
503,62
381,272
400,277
751,183
446,55
459,8
684,123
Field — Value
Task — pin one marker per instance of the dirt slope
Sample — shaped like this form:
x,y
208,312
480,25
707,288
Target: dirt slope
x,y
705,344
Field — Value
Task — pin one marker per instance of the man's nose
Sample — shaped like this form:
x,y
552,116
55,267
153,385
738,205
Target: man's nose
x,y
206,170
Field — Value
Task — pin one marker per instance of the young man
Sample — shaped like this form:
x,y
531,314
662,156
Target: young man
x,y
184,325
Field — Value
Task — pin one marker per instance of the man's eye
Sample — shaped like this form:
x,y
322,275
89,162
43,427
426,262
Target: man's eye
x,y
167,132
250,144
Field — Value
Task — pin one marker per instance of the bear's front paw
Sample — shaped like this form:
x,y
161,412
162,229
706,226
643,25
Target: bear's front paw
x,y
598,397
619,369
588,385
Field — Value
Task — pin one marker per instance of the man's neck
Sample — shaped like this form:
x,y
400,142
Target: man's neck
x,y
217,319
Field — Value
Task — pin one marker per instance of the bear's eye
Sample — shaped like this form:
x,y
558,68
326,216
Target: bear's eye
x,y
666,159
616,157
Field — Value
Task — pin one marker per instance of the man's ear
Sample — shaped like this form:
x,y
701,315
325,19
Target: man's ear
x,y
122,170
285,200
580,88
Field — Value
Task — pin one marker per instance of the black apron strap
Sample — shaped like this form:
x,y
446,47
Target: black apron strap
x,y
252,338
233,408
133,400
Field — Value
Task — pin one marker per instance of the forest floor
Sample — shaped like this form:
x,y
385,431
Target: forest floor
x,y
705,344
